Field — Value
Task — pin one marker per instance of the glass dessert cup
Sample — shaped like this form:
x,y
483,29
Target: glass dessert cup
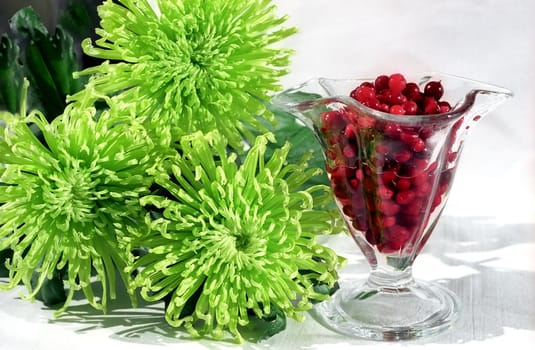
x,y
390,175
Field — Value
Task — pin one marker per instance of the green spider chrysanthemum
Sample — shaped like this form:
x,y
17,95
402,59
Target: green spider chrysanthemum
x,y
241,239
67,196
193,63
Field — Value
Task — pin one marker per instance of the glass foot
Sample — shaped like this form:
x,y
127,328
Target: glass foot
x,y
362,311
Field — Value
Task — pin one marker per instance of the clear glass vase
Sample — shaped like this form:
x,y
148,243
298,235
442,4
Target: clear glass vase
x,y
391,175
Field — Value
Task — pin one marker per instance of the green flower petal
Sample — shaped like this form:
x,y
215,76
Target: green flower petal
x,y
232,240
194,64
67,199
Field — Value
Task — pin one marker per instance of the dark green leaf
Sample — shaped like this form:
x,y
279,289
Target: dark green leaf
x,y
52,291
302,140
48,61
10,75
262,328
27,23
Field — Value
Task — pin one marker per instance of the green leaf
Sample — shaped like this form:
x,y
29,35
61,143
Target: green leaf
x,y
52,291
48,62
262,328
80,17
10,75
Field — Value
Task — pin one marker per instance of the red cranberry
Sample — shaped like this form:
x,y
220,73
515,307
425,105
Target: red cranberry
x,y
388,176
332,120
426,133
354,183
431,106
403,156
385,192
397,82
395,238
418,145
409,137
405,197
412,91
381,148
392,130
389,208
383,107
410,107
444,107
349,151
396,98
373,103
363,94
381,82
388,221
350,132
434,89
403,184
360,223
397,109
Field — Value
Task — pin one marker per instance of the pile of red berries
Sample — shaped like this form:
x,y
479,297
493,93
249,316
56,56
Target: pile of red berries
x,y
384,174
392,94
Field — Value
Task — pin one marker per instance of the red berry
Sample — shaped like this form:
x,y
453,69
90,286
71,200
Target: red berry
x,y
349,151
381,148
381,82
426,133
383,107
332,120
388,176
389,208
418,145
415,207
431,106
434,89
444,106
350,132
363,93
395,239
410,107
392,130
396,98
397,109
385,192
397,83
354,183
359,222
423,190
403,184
403,156
412,91
373,103
388,221
409,137
405,197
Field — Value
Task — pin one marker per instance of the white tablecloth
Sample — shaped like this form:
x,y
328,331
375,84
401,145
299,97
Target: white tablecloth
x,y
484,246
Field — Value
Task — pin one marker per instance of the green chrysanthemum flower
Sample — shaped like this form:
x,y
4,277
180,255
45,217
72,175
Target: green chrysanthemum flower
x,y
193,63
229,240
67,196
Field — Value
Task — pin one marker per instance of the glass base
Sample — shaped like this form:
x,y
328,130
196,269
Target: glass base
x,y
381,313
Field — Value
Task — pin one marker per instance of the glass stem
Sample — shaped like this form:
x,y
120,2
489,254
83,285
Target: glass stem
x,y
388,278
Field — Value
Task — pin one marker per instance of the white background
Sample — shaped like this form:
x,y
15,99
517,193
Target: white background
x,y
484,245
